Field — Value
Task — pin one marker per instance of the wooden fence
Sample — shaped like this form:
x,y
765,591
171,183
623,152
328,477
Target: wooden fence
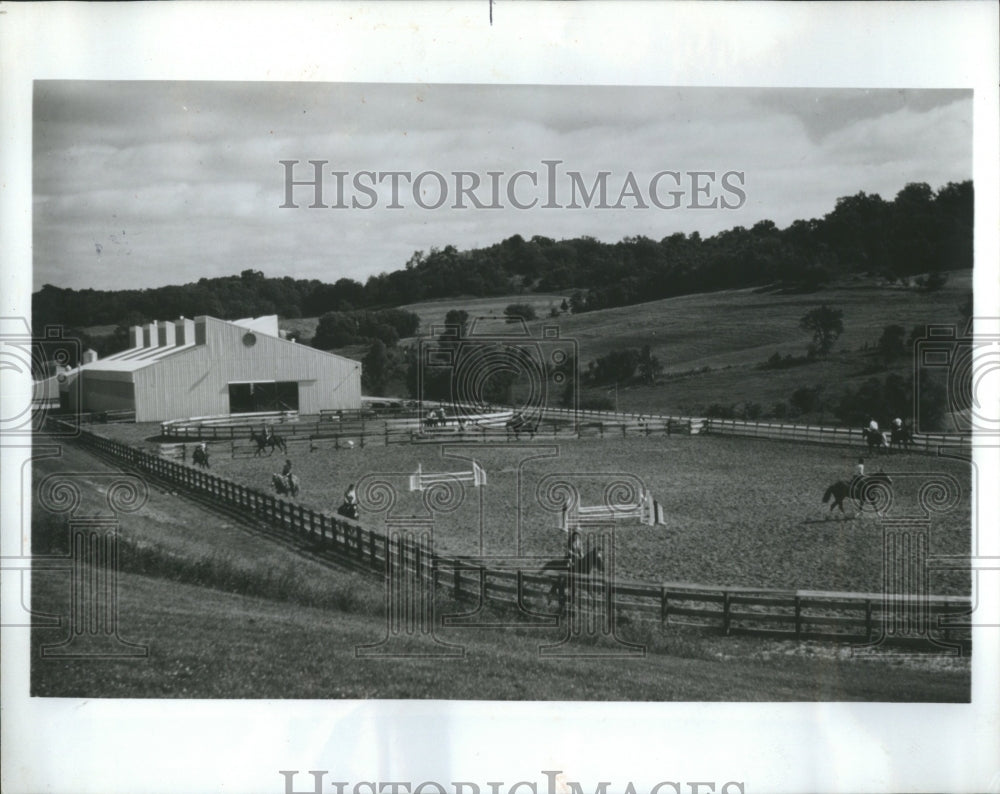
x,y
362,429
857,617
849,436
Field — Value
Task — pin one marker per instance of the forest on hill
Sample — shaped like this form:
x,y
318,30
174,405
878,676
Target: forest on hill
x,y
920,231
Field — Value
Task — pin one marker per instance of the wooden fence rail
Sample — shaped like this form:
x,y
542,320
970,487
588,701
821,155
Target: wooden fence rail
x,y
364,427
863,617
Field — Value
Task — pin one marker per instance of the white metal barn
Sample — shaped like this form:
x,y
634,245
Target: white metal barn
x,y
208,367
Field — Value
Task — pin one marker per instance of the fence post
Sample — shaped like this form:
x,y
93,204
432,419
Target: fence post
x,y
725,612
371,549
869,628
798,616
664,606
457,579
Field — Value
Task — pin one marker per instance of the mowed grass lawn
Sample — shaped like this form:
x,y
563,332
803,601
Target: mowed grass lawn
x,y
204,643
742,512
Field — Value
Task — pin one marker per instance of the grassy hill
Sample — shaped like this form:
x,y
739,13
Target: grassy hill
x,y
711,345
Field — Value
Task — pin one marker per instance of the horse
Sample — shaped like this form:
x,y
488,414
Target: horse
x,y
435,418
518,424
285,484
272,441
841,489
348,510
875,439
200,457
593,560
901,437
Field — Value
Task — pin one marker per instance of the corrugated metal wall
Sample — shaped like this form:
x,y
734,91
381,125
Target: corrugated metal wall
x,y
195,381
107,391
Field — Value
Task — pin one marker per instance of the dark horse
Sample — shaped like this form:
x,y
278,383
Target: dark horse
x,y
285,484
348,510
855,489
874,438
901,437
593,560
265,441
200,457
518,424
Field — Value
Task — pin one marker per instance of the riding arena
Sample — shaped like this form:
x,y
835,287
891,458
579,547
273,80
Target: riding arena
x,y
708,514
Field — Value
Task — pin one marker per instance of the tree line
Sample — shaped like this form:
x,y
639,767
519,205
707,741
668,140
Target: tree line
x,y
920,231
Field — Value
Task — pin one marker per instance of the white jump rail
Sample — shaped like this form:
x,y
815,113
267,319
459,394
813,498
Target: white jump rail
x,y
419,480
647,510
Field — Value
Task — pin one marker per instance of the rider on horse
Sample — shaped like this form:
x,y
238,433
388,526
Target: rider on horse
x,y
859,472
286,472
349,509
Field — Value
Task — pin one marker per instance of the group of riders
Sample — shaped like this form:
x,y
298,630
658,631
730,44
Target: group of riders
x,y
575,548
348,508
900,434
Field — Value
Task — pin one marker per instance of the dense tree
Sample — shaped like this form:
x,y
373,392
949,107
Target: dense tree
x,y
919,233
891,345
649,367
826,325
375,369
524,311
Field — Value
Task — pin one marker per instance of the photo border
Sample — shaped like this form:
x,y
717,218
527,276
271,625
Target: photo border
x,y
178,746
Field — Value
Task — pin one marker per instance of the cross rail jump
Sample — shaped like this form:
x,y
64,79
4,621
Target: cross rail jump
x,y
647,510
419,480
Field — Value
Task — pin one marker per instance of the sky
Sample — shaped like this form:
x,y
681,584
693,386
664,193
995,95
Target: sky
x,y
141,184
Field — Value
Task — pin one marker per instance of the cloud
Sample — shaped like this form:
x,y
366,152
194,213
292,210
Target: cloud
x,y
190,171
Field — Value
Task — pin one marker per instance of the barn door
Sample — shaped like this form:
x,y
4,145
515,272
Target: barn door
x,y
245,398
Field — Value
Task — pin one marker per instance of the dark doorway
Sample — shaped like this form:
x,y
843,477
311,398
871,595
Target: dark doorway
x,y
245,398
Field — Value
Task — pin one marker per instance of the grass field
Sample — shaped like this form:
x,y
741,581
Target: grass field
x,y
739,511
711,344
227,613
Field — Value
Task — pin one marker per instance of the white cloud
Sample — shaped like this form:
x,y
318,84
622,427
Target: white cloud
x,y
189,171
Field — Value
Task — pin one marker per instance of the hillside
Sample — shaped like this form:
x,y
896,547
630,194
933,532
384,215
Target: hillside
x,y
711,345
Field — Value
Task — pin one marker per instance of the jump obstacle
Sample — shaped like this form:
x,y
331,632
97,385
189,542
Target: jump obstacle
x,y
647,510
419,480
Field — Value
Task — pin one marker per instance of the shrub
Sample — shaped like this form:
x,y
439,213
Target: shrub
x,y
719,411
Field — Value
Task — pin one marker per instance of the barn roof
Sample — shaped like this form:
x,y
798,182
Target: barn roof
x,y
163,339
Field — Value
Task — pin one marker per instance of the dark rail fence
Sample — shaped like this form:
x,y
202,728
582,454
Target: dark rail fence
x,y
856,617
